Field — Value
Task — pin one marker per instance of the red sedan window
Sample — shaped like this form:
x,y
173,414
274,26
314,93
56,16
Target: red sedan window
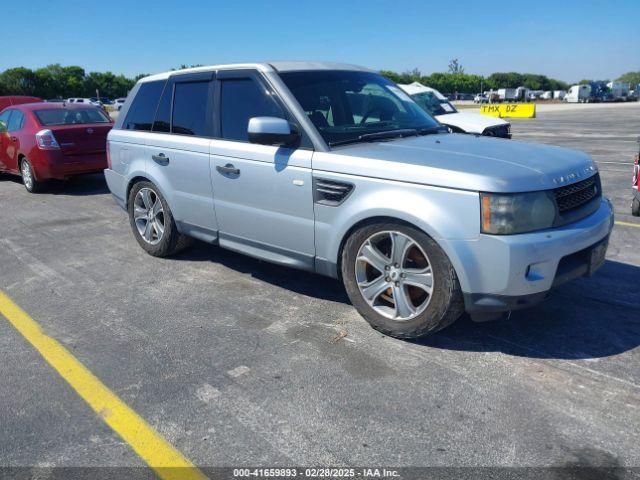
x,y
75,116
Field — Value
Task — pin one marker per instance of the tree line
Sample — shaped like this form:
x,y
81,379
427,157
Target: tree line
x,y
56,81
458,81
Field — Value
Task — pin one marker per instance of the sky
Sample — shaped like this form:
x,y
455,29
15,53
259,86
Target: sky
x,y
567,40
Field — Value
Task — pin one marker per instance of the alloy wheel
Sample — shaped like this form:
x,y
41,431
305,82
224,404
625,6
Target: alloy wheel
x,y
148,215
394,275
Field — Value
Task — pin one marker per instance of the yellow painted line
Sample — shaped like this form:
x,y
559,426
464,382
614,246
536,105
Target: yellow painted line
x,y
627,224
166,461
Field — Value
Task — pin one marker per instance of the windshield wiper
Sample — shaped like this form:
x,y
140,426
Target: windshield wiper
x,y
388,134
369,137
432,130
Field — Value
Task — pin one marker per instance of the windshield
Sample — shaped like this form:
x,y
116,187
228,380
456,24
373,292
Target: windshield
x,y
75,116
345,106
432,104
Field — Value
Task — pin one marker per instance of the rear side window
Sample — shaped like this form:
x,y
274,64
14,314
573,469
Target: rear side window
x,y
190,108
240,100
16,120
70,116
4,119
143,108
162,122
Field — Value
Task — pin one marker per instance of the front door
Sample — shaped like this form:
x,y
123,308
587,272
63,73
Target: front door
x,y
262,194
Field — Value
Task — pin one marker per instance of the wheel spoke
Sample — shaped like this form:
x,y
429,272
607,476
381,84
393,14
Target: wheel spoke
x,y
146,198
159,228
400,244
148,231
373,257
404,307
422,279
157,207
372,290
139,212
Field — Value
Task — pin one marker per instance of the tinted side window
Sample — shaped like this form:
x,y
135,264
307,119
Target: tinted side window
x,y
162,122
240,100
4,119
16,120
190,108
143,107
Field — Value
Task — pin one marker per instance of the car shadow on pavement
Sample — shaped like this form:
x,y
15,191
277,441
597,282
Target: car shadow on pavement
x,y
298,281
589,318
81,185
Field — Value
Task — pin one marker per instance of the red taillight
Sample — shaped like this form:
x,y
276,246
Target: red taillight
x,y
108,156
46,140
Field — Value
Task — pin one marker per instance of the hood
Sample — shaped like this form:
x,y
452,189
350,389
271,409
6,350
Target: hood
x,y
469,122
461,161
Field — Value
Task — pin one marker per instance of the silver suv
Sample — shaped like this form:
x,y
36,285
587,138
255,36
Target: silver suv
x,y
333,169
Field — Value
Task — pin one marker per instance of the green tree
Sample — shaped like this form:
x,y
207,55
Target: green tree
x,y
630,77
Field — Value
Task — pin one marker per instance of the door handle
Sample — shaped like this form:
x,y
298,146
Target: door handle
x,y
160,159
228,169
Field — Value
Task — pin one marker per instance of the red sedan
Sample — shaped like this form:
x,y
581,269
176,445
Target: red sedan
x,y
41,141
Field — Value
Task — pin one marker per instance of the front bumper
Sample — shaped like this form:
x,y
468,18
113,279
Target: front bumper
x,y
503,273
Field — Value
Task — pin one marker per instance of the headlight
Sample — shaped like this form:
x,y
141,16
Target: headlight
x,y
509,213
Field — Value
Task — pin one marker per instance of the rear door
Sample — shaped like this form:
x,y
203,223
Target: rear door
x,y
178,152
263,194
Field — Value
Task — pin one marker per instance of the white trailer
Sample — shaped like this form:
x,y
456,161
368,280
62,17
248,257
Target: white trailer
x,y
507,94
578,94
559,94
619,90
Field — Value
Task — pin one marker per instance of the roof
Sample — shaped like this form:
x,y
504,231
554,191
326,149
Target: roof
x,y
284,66
52,106
416,87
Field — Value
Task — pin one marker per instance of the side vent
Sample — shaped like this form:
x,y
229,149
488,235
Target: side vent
x,y
330,192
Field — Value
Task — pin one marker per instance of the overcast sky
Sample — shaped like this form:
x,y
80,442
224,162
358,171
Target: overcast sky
x,y
567,40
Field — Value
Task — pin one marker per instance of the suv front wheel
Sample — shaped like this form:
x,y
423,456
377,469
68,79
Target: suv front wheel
x,y
152,222
400,280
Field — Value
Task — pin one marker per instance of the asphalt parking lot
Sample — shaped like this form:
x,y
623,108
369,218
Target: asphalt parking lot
x,y
236,362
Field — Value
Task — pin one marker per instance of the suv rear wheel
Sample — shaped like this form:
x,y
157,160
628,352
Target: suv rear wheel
x,y
400,280
635,207
152,222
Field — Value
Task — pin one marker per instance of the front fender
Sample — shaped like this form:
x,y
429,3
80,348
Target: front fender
x,y
444,214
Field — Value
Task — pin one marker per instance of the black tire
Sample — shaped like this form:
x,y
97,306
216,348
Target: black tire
x,y
446,304
635,207
31,184
171,241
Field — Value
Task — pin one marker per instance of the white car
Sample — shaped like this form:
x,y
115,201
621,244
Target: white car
x,y
78,100
439,107
118,102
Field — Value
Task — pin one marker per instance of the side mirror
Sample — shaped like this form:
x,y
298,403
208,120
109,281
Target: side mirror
x,y
271,131
3,127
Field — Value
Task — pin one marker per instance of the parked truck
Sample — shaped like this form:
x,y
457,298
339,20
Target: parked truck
x,y
578,94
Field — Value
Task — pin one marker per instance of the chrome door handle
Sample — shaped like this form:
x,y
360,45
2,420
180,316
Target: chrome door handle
x,y
228,169
160,159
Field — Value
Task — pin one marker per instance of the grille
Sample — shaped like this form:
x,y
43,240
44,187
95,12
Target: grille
x,y
578,194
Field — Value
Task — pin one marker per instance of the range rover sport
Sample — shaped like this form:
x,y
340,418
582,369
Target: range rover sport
x,y
333,169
